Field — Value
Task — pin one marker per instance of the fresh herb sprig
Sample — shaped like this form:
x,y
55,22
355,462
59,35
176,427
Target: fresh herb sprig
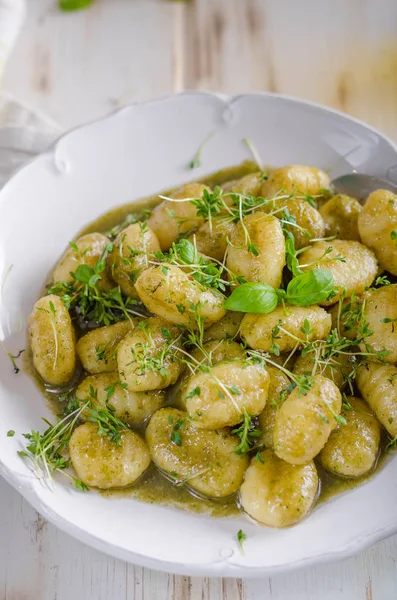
x,y
241,537
46,451
108,425
248,434
302,382
206,272
147,356
13,357
89,302
130,219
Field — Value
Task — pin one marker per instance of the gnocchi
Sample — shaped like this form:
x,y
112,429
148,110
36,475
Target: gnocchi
x,y
130,256
174,296
380,318
339,370
280,330
353,265
102,464
97,348
296,179
170,219
377,385
148,358
227,328
209,354
206,460
212,336
250,184
212,239
340,214
279,387
52,340
305,421
220,398
304,220
352,448
86,250
257,249
276,493
377,224
106,389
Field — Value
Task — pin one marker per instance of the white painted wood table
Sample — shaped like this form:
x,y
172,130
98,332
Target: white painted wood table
x,y
75,67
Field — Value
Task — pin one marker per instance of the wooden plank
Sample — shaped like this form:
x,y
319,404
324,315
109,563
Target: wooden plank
x,y
338,53
39,562
78,66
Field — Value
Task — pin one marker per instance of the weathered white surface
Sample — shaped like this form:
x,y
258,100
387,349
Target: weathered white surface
x,y
38,562
76,67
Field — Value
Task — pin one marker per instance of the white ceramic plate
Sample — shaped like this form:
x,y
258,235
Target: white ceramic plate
x,y
141,150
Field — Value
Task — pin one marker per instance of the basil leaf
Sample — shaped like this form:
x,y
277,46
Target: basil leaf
x,y
68,5
290,253
83,273
187,252
310,288
253,297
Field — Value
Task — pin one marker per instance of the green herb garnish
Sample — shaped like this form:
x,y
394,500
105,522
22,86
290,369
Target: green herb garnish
x,y
46,451
312,287
241,537
89,302
71,5
13,358
247,433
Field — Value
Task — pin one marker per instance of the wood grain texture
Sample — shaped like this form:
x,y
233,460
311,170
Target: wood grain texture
x,y
76,67
39,562
342,54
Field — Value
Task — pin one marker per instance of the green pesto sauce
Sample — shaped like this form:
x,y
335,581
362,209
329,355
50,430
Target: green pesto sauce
x,y
117,215
332,485
153,487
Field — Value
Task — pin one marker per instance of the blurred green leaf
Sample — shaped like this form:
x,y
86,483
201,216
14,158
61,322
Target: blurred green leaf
x,y
69,5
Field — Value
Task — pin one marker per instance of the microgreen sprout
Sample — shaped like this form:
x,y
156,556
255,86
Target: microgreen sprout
x,y
89,301
241,537
248,434
196,160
